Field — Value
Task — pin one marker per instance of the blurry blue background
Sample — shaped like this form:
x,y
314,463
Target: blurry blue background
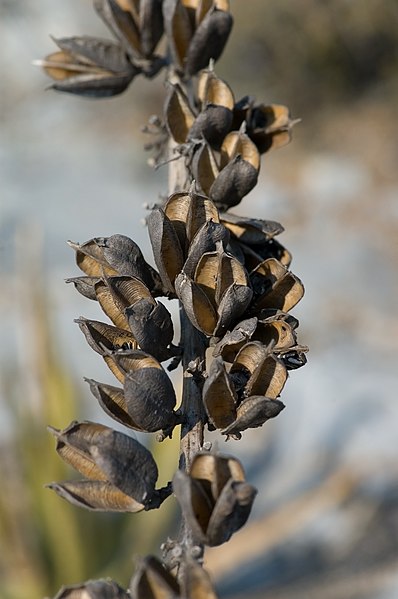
x,y
325,522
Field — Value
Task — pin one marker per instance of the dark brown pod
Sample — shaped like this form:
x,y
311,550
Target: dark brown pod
x,y
212,124
151,25
214,497
219,396
233,183
275,286
93,589
270,126
204,241
152,326
121,473
253,412
102,337
178,29
125,257
166,246
204,167
150,395
89,67
152,580
232,341
112,401
233,304
251,231
208,40
197,305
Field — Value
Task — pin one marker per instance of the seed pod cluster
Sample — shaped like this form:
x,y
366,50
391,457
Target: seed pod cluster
x,y
139,338
214,497
120,473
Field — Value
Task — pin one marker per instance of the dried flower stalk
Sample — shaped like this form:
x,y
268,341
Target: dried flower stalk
x,y
229,273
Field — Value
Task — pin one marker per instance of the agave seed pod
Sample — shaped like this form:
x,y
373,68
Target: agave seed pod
x,y
126,258
152,326
149,394
102,337
166,247
151,579
92,589
251,231
232,341
239,168
179,116
90,259
178,29
248,359
275,286
270,126
85,286
204,168
208,40
197,305
254,255
112,401
219,396
88,66
214,497
111,305
253,412
139,28
205,240
195,582
121,473
268,378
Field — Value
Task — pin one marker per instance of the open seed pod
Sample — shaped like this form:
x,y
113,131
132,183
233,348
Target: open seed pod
x,y
219,396
112,401
178,114
239,168
215,117
92,589
138,26
217,295
152,326
103,337
256,371
273,331
253,412
195,582
270,126
204,167
196,32
148,391
214,497
275,286
152,580
88,66
205,240
120,472
250,231
166,247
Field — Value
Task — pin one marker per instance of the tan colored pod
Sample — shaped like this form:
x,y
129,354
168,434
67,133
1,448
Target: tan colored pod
x,y
219,396
275,286
152,580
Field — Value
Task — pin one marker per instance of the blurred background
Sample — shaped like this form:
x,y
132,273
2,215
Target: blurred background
x,y
325,522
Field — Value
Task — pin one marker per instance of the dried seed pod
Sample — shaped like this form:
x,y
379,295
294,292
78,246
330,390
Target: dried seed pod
x,y
249,357
152,326
102,337
125,257
204,167
208,40
151,579
195,582
179,116
254,255
139,28
219,396
166,246
268,378
204,241
197,305
214,498
270,126
233,183
213,90
251,231
149,394
111,306
253,412
90,259
113,402
93,589
178,29
85,286
275,286
295,357
231,343
237,143
121,473
88,66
